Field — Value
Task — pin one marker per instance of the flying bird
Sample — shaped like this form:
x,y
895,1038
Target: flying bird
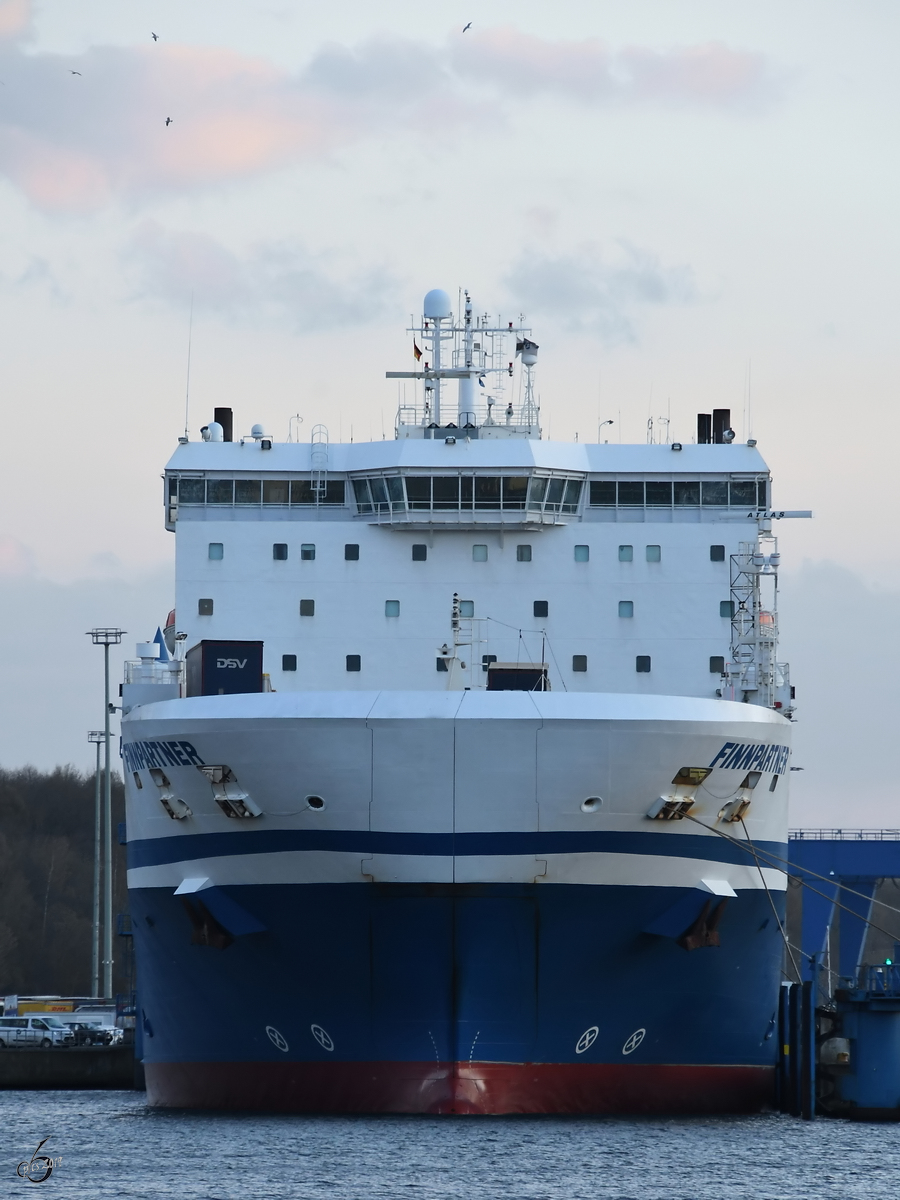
x,y
155,36
465,27
168,121
74,72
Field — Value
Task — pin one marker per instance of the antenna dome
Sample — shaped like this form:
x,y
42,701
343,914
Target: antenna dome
x,y
437,305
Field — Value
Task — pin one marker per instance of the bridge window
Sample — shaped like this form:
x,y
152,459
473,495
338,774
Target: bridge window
x,y
247,491
191,491
631,493
659,495
276,491
715,493
687,494
743,492
220,491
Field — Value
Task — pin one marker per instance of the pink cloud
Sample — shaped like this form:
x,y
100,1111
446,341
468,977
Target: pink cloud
x,y
76,141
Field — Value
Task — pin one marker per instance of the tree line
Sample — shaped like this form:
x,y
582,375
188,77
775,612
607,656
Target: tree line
x,y
47,882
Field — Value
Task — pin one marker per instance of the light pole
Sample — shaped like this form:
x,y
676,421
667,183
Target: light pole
x,y
600,426
96,736
107,638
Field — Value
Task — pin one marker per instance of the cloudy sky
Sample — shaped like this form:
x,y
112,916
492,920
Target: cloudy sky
x,y
694,203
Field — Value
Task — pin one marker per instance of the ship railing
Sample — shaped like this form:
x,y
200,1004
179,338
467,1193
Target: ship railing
x,y
844,835
138,671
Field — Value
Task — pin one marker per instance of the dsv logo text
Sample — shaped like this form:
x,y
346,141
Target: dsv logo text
x,y
39,1167
222,663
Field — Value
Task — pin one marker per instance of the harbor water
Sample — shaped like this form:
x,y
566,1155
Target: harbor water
x,y
112,1145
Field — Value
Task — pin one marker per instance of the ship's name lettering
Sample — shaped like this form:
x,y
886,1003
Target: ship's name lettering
x,y
141,755
741,756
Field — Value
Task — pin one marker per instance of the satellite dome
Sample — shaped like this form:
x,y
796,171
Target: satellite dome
x,y
437,305
258,431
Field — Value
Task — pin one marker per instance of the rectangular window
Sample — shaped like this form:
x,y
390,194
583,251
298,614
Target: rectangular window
x,y
289,662
418,492
419,552
717,554
743,493
762,493
247,491
626,553
479,554
354,662
360,491
329,491
654,553
642,664
307,608
523,554
440,664
279,551
351,552
687,494
216,551
626,608
603,493
487,491
715,493
392,608
573,495
467,608
378,488
307,552
276,491
726,608
191,491
582,553
204,608
659,495
396,494
716,664
445,491
579,662
631,493
541,608
515,489
538,491
220,491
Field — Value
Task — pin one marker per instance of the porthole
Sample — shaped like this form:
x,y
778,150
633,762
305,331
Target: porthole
x,y
592,804
315,802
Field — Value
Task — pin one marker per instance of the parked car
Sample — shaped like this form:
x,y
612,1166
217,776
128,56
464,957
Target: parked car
x,y
41,1030
88,1034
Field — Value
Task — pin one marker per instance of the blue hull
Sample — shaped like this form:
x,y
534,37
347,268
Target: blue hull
x,y
435,981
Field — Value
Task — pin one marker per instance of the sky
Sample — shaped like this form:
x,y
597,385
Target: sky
x,y
694,204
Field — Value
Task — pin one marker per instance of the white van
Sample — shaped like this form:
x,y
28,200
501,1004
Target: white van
x,y
43,1030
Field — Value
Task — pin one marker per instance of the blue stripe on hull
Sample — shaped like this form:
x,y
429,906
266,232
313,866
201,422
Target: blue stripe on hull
x,y
454,973
152,852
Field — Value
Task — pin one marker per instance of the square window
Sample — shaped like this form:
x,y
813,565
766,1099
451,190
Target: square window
x,y
307,552
289,662
541,608
307,608
603,492
626,553
687,493
419,552
247,491
659,495
715,492
204,608
717,554
479,554
351,552
279,551
654,553
579,662
523,554
216,551
631,492
276,491
716,664
441,664
354,662
743,493
642,664
582,553
220,491
467,608
626,608
392,608
191,491
726,608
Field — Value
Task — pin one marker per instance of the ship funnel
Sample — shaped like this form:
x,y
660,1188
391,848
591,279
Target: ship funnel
x,y
437,306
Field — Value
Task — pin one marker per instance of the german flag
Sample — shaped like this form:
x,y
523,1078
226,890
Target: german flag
x,y
417,353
